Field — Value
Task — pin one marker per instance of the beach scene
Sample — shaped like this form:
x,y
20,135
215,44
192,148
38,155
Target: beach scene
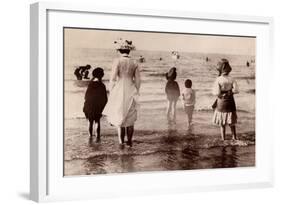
x,y
159,145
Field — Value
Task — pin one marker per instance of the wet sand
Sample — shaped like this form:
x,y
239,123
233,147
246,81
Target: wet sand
x,y
158,145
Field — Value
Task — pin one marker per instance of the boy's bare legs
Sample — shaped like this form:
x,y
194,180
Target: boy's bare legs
x,y
174,111
91,122
97,126
189,113
130,133
222,132
121,136
233,132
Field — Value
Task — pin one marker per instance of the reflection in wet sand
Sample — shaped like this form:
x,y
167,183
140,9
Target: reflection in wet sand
x,y
168,152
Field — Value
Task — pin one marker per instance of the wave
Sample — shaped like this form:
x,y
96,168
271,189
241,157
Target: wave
x,y
160,108
189,146
157,74
245,77
251,91
209,109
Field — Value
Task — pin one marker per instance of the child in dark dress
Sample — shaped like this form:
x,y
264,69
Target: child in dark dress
x,y
95,101
173,92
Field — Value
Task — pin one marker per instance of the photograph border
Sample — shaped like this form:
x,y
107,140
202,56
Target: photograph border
x,y
120,30
39,144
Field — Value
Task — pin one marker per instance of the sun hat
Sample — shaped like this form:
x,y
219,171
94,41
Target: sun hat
x,y
122,44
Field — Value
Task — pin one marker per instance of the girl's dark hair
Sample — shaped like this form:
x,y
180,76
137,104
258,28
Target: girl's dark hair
x,y
172,74
122,51
224,67
188,83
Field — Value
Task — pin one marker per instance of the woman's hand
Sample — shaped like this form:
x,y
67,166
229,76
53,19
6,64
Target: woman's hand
x,y
229,92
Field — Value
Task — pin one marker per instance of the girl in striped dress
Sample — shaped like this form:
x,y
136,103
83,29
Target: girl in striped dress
x,y
225,109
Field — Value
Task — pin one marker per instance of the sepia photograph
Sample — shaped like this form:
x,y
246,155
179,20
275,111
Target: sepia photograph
x,y
143,101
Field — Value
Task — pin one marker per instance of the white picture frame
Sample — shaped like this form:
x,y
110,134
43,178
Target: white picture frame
x,y
46,181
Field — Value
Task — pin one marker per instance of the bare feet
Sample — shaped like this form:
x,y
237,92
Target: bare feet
x,y
234,138
129,143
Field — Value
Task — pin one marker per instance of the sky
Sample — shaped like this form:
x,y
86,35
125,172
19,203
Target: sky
x,y
91,38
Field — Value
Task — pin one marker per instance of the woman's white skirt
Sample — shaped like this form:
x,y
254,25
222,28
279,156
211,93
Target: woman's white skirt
x,y
122,105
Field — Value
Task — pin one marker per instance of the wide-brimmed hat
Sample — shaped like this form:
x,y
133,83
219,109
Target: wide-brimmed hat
x,y
98,73
172,74
223,66
122,44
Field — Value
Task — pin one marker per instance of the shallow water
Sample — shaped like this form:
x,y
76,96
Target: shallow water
x,y
152,95
159,146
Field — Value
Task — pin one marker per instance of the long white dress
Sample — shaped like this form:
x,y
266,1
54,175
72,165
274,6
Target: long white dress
x,y
121,108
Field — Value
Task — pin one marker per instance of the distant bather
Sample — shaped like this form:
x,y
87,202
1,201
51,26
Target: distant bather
x,y
82,72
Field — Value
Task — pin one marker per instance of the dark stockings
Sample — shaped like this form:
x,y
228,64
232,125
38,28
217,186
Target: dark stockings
x,y
91,122
121,135
130,133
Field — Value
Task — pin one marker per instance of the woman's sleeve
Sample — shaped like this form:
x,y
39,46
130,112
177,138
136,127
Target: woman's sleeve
x,y
216,88
137,78
114,74
235,88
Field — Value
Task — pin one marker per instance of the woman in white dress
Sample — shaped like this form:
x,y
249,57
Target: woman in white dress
x,y
121,109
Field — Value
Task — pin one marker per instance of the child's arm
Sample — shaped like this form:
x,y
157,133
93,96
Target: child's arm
x,y
216,88
183,96
183,100
235,88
